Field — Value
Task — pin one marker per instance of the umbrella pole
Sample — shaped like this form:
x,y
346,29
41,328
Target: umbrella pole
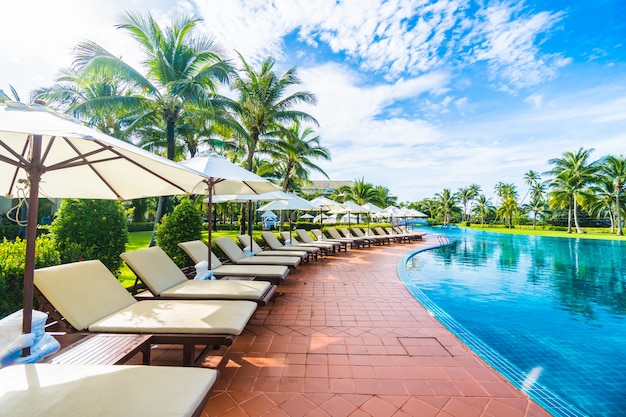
x,y
34,176
210,218
250,218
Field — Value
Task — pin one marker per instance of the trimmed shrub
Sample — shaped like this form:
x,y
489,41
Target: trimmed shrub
x,y
86,229
12,260
140,227
182,225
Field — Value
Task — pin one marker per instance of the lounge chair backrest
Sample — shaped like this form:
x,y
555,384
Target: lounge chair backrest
x,y
379,231
230,249
345,232
198,251
83,292
154,268
334,234
245,241
304,236
271,240
356,231
391,231
288,237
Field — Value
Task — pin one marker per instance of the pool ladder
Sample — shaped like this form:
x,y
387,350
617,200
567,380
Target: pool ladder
x,y
443,239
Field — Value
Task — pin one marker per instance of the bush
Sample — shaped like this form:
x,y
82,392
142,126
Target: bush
x,y
12,259
140,227
91,229
182,225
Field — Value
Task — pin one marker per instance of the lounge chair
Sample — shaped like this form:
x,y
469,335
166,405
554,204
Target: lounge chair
x,y
237,256
321,237
412,235
198,251
86,296
258,251
400,236
379,231
325,248
384,237
306,238
377,240
165,280
356,241
274,244
105,390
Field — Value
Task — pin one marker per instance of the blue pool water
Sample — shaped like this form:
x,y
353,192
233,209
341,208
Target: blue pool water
x,y
545,310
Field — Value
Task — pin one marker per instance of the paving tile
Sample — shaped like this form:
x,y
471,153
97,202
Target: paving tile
x,y
345,338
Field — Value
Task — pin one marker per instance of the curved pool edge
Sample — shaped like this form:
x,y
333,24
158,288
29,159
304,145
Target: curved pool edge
x,y
542,395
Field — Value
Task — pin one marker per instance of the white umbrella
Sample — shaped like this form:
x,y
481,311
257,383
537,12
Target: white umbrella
x,y
224,177
56,156
293,203
325,203
306,216
350,207
371,208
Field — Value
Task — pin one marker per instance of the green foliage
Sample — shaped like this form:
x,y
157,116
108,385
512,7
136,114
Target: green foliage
x,y
91,229
183,224
12,259
140,226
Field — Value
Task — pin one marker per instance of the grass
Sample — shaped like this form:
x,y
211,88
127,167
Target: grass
x,y
590,233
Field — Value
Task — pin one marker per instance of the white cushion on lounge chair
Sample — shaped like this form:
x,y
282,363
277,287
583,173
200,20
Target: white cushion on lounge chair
x,y
164,279
88,296
103,390
198,252
237,256
258,251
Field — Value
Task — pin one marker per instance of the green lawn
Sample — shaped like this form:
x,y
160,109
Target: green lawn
x,y
590,233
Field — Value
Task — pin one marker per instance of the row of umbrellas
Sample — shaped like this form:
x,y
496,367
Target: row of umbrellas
x,y
57,157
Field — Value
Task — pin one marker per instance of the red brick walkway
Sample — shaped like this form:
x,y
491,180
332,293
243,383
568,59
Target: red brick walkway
x,y
346,338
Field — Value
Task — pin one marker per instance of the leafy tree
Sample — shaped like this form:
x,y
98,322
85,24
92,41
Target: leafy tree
x,y
614,169
86,229
182,225
446,205
573,173
181,71
466,195
483,208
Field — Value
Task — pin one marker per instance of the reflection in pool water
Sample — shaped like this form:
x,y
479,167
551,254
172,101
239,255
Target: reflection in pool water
x,y
555,308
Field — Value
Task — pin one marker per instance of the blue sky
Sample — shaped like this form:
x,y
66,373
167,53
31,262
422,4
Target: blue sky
x,y
416,95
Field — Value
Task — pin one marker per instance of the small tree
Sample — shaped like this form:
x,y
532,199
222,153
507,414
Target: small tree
x,y
182,225
91,229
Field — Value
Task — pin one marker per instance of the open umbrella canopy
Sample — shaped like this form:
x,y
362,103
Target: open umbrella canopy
x,y
292,203
56,156
79,162
326,203
242,198
225,177
372,208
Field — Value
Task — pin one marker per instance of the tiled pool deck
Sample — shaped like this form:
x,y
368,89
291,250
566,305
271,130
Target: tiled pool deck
x,y
346,338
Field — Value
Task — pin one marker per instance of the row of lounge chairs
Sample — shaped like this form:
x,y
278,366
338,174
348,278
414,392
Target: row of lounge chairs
x,y
85,297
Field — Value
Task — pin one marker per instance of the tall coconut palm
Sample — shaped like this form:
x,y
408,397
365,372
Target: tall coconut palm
x,y
465,196
296,151
573,173
614,169
180,69
446,205
360,192
530,179
382,197
266,101
483,208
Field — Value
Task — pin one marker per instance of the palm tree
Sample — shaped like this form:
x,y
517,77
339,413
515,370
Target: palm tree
x,y
466,195
382,197
446,205
614,168
266,101
530,178
572,175
537,203
180,70
483,208
295,152
360,192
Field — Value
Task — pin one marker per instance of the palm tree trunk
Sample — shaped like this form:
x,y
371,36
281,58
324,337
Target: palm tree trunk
x,y
578,228
619,214
569,217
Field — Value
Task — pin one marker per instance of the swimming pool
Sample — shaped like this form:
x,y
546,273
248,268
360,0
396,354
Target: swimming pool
x,y
548,313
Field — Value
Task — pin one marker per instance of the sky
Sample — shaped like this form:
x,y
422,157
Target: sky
x,y
414,95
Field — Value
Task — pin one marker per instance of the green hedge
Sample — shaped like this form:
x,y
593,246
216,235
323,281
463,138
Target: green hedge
x,y
140,226
12,258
